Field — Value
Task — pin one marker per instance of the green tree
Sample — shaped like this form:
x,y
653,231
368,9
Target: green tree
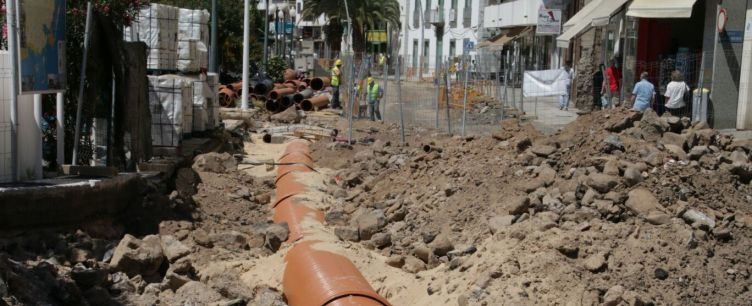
x,y
365,15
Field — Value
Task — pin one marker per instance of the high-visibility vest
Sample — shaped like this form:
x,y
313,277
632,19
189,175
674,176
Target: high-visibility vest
x,y
335,76
373,91
382,60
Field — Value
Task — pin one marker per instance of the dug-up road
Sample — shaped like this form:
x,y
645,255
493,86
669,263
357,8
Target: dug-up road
x,y
617,208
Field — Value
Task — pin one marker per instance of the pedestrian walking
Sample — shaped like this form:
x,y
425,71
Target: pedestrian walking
x,y
564,98
613,76
643,95
335,82
374,93
677,94
598,88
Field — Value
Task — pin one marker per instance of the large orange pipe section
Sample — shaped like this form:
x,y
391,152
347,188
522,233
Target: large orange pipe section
x,y
313,277
324,278
317,101
320,83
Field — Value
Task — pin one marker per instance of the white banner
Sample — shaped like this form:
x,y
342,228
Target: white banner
x,y
545,83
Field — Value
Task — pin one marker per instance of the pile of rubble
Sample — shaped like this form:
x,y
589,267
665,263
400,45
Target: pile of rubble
x,y
619,207
218,214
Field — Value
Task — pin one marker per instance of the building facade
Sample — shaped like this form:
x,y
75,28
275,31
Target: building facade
x,y
708,41
438,31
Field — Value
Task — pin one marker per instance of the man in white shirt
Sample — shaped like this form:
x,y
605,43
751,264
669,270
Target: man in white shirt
x,y
564,98
676,90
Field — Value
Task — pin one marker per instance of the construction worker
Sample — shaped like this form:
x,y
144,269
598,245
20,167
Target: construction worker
x,y
336,74
382,62
374,94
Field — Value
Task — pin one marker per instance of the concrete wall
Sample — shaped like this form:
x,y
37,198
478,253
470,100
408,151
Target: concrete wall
x,y
727,68
69,205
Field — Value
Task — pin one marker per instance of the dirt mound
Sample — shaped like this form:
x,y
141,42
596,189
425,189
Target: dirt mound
x,y
618,207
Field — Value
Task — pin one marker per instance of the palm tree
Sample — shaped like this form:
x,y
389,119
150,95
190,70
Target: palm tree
x,y
365,14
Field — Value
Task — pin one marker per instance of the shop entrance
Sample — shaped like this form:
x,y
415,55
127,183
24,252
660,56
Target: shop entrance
x,y
667,44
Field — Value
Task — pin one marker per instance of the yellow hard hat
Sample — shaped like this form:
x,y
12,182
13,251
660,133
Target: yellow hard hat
x,y
370,79
338,62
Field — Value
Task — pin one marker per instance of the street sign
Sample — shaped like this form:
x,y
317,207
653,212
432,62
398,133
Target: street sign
x,y
277,27
549,22
288,27
734,37
468,46
376,36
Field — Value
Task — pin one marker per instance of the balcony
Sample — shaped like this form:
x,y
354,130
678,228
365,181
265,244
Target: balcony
x,y
436,17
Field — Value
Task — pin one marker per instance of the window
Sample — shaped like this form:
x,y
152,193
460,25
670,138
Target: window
x,y
452,48
415,53
426,50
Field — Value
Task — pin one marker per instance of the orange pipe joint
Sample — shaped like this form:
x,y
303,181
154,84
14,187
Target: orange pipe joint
x,y
297,158
293,213
321,278
287,186
297,145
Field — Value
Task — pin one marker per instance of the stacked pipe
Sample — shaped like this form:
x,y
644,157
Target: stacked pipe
x,y
298,92
313,276
303,93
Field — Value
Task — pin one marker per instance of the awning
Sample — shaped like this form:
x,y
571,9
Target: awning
x,y
595,14
497,43
661,9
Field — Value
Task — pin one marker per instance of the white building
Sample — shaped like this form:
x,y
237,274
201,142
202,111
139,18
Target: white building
x,y
458,23
514,22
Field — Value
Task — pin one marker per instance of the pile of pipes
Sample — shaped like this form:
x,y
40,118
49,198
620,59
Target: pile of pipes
x,y
303,93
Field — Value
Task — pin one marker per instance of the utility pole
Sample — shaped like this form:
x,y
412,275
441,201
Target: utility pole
x,y
266,34
13,49
422,38
79,107
350,100
246,50
213,58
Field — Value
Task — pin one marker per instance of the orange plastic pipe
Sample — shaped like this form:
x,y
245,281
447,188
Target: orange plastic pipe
x,y
294,213
315,277
297,145
317,102
283,170
320,83
289,75
288,186
278,93
297,157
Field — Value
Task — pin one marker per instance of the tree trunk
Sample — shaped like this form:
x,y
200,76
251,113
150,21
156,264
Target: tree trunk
x,y
359,40
334,34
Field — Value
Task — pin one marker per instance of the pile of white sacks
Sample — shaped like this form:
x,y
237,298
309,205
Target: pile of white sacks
x,y
177,41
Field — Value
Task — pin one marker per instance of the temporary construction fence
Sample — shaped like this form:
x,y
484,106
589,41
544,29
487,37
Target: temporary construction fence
x,y
469,95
